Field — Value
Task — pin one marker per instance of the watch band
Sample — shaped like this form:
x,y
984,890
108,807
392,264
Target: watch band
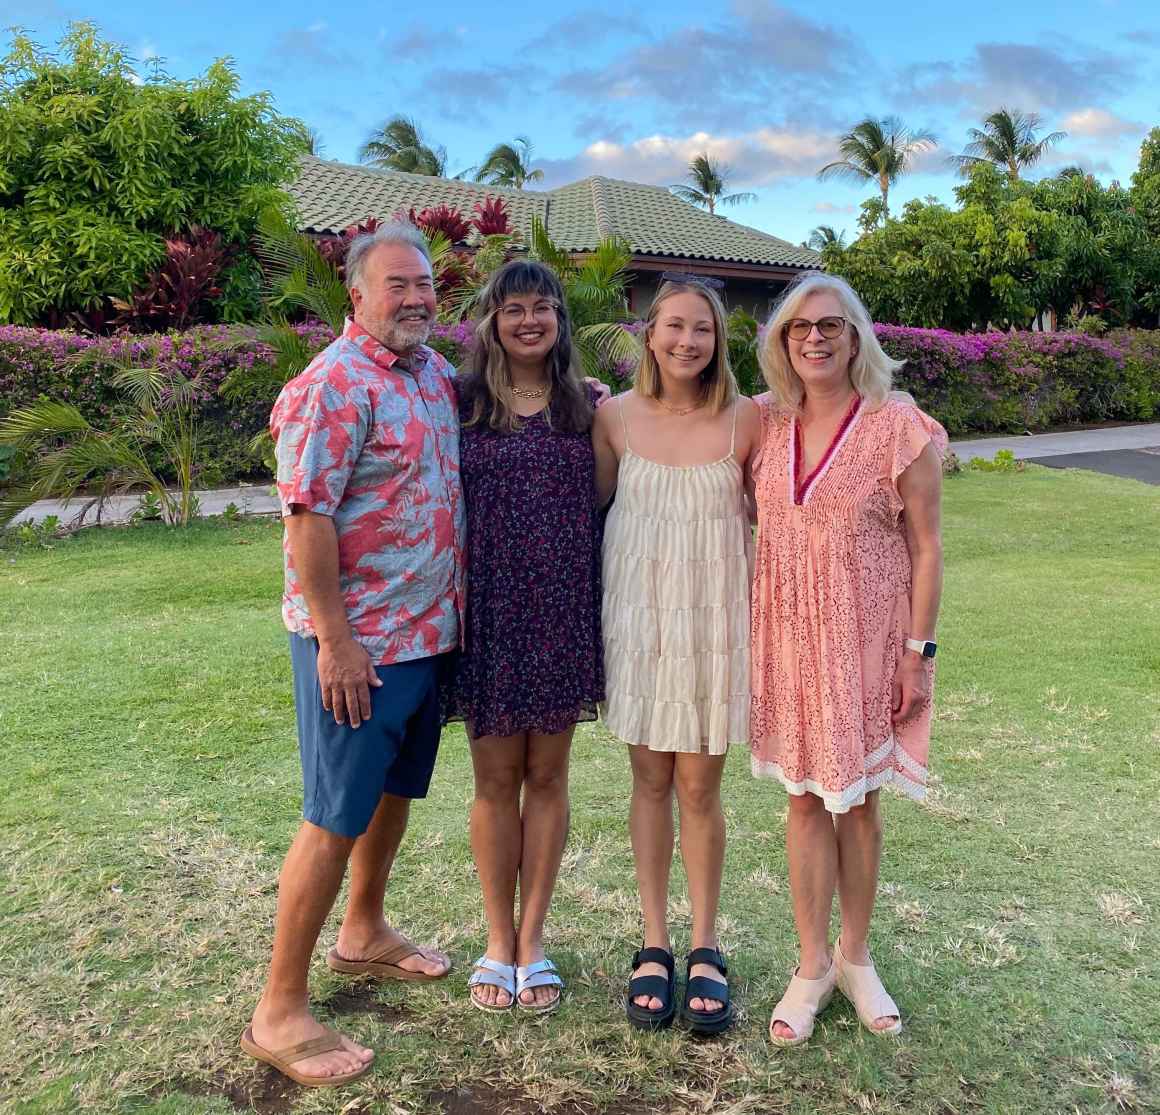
x,y
925,647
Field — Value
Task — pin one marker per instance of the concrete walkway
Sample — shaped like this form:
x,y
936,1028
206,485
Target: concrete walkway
x,y
249,499
1120,450
1029,447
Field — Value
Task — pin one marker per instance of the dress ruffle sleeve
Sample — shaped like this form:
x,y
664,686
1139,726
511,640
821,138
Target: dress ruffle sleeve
x,y
914,430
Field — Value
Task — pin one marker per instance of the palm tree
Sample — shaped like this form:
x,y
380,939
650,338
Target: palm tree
x,y
881,150
399,145
824,236
508,164
1006,139
708,189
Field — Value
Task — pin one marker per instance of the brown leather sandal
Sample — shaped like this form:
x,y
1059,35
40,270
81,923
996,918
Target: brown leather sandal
x,y
384,964
284,1060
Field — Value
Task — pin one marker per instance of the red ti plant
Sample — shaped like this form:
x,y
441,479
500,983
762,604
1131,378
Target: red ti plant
x,y
442,218
491,217
173,295
333,248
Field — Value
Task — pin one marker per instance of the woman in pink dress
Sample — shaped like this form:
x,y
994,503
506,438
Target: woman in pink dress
x,y
849,573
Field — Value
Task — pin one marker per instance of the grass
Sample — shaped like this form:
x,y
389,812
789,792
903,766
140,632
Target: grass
x,y
151,788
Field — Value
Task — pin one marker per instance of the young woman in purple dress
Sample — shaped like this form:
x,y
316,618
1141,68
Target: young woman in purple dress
x,y
532,665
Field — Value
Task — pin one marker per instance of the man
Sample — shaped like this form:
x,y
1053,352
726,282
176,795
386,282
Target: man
x,y
368,478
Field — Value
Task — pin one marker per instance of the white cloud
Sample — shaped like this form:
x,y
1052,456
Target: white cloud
x,y
1099,124
756,158
831,207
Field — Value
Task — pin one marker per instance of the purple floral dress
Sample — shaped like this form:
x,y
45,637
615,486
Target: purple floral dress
x,y
533,659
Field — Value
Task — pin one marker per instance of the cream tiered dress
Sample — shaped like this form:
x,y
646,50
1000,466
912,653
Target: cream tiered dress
x,y
678,557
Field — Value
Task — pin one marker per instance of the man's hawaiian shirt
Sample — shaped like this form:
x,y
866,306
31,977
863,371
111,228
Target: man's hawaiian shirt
x,y
376,448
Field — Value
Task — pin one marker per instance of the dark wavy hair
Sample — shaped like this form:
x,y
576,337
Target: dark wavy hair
x,y
483,388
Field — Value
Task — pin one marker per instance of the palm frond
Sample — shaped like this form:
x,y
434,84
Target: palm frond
x,y
605,343
541,247
42,421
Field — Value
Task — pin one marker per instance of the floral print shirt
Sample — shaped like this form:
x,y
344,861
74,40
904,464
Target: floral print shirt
x,y
373,442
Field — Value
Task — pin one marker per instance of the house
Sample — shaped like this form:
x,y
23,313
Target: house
x,y
665,233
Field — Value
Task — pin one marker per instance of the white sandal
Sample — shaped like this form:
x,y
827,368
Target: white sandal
x,y
802,1002
492,973
861,985
540,973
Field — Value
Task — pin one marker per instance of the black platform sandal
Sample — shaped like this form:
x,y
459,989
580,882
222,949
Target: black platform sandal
x,y
657,987
703,987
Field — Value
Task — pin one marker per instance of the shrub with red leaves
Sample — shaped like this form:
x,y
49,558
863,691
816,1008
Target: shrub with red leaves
x,y
491,217
172,296
442,218
333,248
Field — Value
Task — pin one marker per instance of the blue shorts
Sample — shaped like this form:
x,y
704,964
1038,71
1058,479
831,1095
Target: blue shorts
x,y
345,770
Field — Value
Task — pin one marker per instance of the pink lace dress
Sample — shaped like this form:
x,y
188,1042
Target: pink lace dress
x,y
831,609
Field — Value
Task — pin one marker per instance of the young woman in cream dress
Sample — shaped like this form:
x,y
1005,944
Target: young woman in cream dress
x,y
676,450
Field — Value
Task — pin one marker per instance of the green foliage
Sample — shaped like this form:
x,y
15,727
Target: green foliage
x,y
1009,252
594,290
42,535
742,330
157,417
1004,461
98,164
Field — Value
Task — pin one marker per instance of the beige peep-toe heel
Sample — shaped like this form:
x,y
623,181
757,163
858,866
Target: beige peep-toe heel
x,y
861,985
802,1002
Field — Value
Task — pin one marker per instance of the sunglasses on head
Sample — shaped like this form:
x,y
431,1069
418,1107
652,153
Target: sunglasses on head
x,y
798,328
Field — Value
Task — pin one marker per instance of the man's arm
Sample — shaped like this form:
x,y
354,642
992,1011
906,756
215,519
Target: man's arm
x,y
345,670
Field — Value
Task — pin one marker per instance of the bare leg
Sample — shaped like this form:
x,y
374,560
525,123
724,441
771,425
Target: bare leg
x,y
650,824
311,875
545,831
698,782
496,843
364,930
812,851
859,834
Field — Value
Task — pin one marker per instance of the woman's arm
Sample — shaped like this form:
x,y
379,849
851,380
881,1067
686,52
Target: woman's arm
x,y
607,458
750,434
920,487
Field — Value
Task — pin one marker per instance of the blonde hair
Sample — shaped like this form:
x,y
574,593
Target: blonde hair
x,y
718,386
870,368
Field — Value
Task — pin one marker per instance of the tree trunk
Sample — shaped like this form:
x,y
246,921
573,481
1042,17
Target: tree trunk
x,y
884,186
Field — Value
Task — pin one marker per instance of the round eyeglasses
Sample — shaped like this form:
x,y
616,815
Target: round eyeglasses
x,y
798,328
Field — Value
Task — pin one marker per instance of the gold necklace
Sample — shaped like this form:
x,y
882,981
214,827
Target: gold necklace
x,y
680,411
523,393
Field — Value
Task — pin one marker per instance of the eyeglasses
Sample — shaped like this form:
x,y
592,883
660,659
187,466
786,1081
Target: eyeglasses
x,y
798,328
514,312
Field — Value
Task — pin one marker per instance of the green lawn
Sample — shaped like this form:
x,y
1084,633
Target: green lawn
x,y
151,787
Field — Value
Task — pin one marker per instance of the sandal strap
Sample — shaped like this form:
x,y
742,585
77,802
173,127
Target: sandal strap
x,y
709,956
325,1043
702,987
540,973
494,974
863,986
653,955
655,987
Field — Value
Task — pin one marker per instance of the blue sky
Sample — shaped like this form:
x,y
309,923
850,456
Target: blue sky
x,y
634,91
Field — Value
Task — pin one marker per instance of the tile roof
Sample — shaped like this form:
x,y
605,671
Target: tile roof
x,y
331,196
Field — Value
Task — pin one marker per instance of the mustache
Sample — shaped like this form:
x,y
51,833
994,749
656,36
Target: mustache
x,y
419,313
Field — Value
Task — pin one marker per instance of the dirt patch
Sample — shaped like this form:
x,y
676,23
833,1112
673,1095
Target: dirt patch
x,y
265,1090
361,998
494,1101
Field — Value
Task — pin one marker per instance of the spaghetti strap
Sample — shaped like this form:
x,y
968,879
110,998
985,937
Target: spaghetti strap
x,y
623,423
733,431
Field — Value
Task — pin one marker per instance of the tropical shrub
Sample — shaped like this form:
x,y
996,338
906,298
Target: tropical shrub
x,y
100,163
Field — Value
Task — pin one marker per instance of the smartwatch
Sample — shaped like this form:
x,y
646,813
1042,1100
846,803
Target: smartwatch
x,y
923,646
